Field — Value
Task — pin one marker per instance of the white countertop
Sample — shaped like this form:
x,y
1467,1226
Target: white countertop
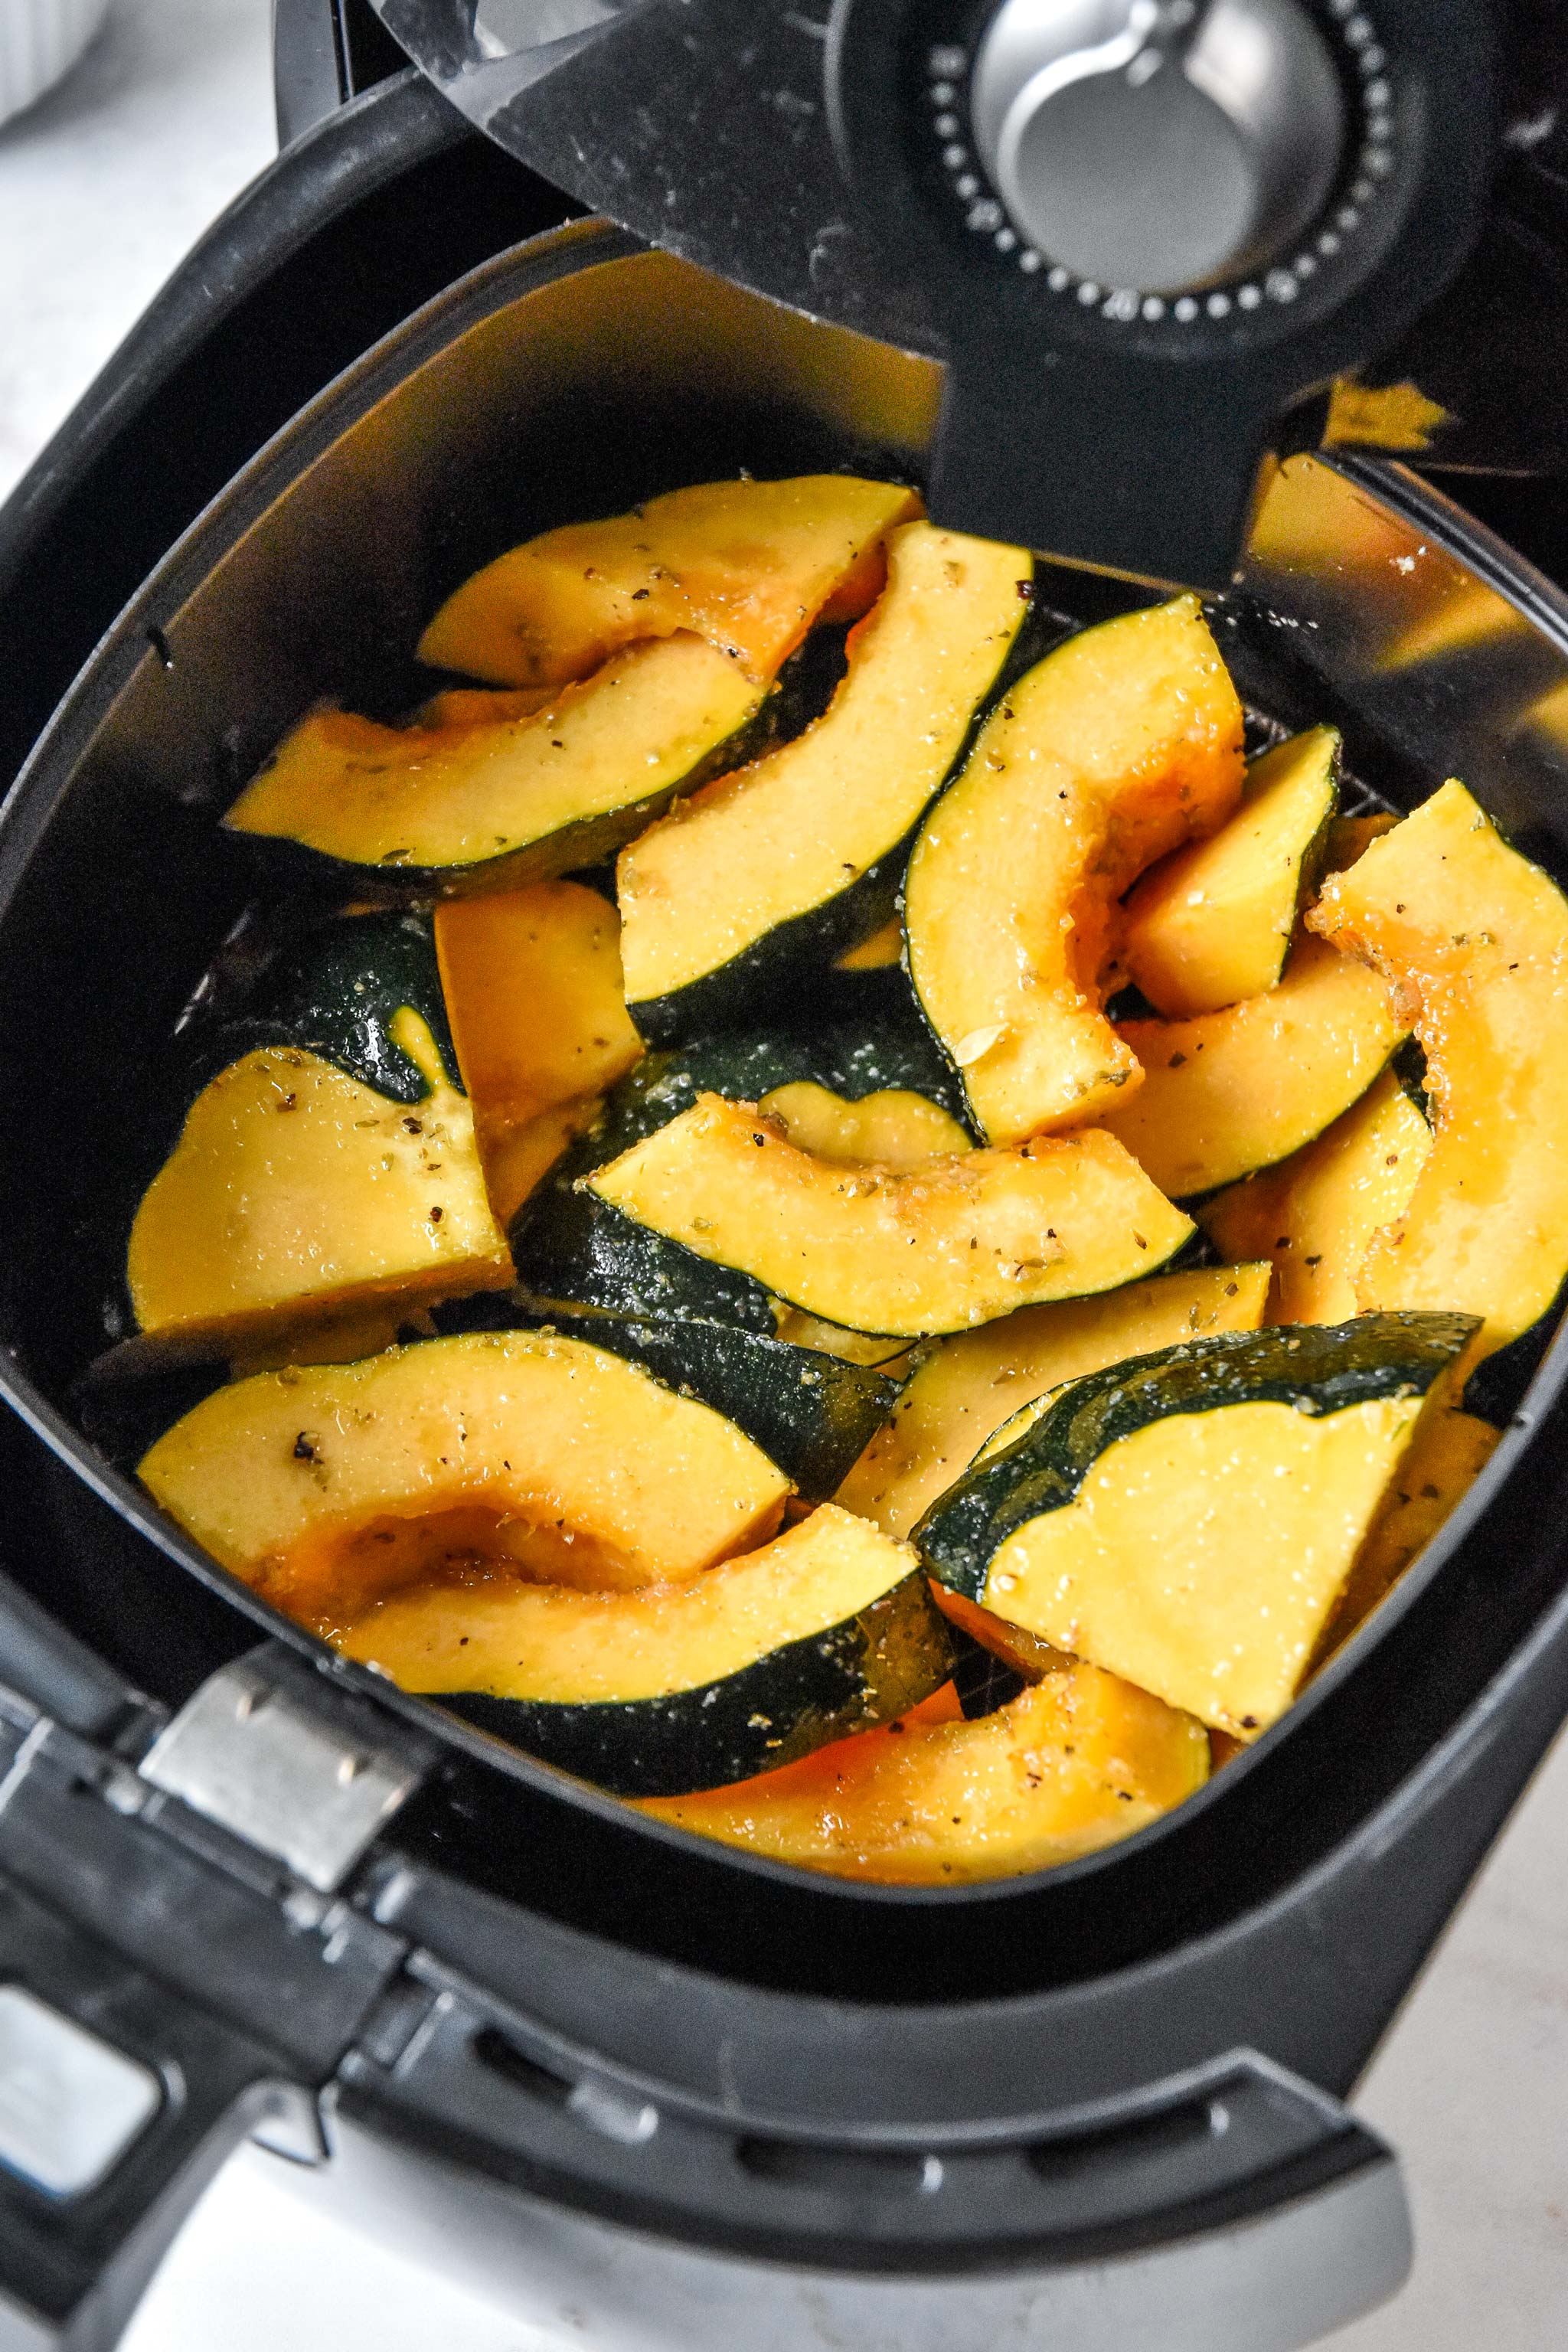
x,y
102,186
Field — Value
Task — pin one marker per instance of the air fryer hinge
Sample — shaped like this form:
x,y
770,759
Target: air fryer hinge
x,y
251,1753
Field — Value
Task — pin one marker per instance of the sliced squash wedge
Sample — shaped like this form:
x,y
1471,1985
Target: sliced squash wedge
x,y
532,983
747,565
1028,1656
892,1125
512,1452
1315,1215
934,1248
472,806
328,1164
1229,1092
729,903
968,1386
828,1630
1447,1456
1066,1768
1190,1520
1120,745
1475,940
568,1246
1213,924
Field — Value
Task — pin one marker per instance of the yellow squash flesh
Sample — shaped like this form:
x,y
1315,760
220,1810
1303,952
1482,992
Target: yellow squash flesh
x,y
747,565
783,837
450,1460
1229,1092
952,1242
295,1190
1066,1768
1315,1215
532,981
893,1126
1448,1454
1475,940
540,1642
1203,1554
1114,750
969,1385
536,793
1213,924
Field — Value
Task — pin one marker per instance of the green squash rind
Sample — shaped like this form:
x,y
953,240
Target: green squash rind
x,y
870,1668
1318,1368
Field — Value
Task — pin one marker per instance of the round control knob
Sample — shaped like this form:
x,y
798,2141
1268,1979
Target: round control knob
x,y
1160,145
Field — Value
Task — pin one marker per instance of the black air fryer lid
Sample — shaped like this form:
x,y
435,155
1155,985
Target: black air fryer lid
x,y
1145,235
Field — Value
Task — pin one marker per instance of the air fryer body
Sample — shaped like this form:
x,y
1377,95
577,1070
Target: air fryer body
x,y
660,2094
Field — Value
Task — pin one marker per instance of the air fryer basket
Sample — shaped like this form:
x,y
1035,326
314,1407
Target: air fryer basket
x,y
1258,1940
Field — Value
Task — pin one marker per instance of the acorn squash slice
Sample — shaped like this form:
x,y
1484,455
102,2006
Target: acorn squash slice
x,y
1447,1456
951,1243
512,1452
1065,1769
1350,838
810,1412
569,1245
828,1630
426,811
1475,940
748,566
1190,1520
1120,745
532,983
967,1386
1315,1215
330,1163
729,903
1213,924
1229,1092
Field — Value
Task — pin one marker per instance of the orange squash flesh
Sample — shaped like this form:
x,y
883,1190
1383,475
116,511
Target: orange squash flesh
x,y
748,565
531,980
1072,1765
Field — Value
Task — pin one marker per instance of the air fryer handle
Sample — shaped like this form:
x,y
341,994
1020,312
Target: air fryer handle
x,y
119,2101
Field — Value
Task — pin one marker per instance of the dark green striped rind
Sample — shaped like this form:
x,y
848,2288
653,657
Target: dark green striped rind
x,y
869,1669
787,973
334,990
811,1413
1318,1368
566,1243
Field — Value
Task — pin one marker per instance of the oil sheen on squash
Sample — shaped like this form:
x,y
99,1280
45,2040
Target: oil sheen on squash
x,y
1213,924
969,1385
780,863
749,566
457,1459
829,1630
1315,1214
297,1188
532,983
1119,746
939,1247
516,799
1229,1092
1070,1767
1475,940
1189,1520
